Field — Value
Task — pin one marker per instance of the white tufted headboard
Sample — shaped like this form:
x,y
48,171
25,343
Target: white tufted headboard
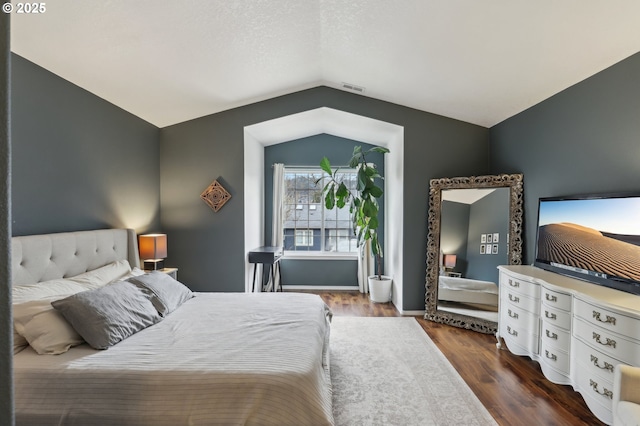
x,y
36,258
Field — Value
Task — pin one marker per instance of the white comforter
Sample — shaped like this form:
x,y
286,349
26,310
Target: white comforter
x,y
254,359
456,283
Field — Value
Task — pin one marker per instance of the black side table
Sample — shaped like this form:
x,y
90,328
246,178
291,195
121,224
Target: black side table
x,y
266,255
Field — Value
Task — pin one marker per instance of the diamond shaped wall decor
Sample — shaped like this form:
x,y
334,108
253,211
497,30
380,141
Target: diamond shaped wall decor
x,y
215,196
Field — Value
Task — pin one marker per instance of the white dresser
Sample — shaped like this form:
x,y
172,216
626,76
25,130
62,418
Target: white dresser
x,y
577,331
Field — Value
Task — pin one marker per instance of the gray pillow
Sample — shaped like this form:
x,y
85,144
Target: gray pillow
x,y
109,314
166,293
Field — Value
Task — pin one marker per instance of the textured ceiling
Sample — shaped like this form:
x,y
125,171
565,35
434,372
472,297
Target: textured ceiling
x,y
476,61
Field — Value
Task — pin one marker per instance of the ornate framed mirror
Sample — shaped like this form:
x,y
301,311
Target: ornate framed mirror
x,y
474,225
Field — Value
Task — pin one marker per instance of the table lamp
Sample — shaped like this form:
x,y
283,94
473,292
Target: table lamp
x,y
449,262
153,250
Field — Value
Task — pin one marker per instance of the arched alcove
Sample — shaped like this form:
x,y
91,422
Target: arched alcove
x,y
341,124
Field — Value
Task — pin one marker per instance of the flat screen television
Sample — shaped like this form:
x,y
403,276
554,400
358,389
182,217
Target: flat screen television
x,y
595,238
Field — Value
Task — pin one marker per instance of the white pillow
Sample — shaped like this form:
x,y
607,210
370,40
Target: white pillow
x,y
45,289
102,276
44,328
19,342
135,272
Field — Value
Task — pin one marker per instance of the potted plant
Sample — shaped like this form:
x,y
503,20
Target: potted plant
x,y
363,207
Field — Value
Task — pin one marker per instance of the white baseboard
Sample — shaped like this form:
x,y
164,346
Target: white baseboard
x,y
320,287
412,313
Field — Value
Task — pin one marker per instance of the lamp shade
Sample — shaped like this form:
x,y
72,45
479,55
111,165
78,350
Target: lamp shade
x,y
153,246
450,260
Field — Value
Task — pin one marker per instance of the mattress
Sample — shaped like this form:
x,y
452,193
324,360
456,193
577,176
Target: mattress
x,y
219,359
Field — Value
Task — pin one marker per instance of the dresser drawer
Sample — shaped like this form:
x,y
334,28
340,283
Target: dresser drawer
x,y
555,336
612,321
554,357
608,343
556,317
520,286
519,300
519,318
598,395
555,299
522,337
592,361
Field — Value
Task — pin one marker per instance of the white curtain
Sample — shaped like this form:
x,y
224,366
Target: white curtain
x,y
277,224
366,266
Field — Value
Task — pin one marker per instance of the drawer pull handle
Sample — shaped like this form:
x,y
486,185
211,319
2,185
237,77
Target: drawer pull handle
x,y
607,366
551,335
550,298
512,314
550,315
606,392
514,283
552,357
609,320
511,332
608,342
514,298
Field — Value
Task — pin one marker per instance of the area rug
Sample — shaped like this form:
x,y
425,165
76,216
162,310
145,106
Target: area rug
x,y
386,371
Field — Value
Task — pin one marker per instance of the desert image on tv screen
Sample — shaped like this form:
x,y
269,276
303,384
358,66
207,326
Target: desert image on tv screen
x,y
599,235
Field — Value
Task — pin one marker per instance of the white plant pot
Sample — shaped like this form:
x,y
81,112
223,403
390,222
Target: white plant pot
x,y
380,290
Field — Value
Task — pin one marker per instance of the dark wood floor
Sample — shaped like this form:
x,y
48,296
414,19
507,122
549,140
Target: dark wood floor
x,y
511,387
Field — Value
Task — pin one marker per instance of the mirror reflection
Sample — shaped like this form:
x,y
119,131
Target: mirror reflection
x,y
474,229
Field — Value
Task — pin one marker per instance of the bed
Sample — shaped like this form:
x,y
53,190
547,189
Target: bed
x,y
215,358
466,290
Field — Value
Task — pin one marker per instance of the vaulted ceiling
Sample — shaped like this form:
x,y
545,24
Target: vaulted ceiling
x,y
476,61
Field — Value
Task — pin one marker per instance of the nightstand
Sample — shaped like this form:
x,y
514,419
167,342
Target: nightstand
x,y
454,274
172,272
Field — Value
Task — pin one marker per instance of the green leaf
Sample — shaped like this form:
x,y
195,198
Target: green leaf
x,y
376,191
362,180
330,198
342,190
326,165
380,149
375,246
369,209
373,223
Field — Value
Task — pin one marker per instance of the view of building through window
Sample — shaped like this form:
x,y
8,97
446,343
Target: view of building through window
x,y
308,226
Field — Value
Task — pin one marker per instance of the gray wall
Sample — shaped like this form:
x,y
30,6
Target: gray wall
x,y
454,232
585,139
208,247
308,152
490,214
6,320
79,162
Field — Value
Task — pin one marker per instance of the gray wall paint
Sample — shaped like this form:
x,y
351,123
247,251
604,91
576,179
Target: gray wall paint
x,y
308,152
84,162
320,273
454,232
208,247
6,320
585,139
490,214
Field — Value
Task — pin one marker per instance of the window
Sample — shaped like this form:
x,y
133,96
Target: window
x,y
304,237
308,226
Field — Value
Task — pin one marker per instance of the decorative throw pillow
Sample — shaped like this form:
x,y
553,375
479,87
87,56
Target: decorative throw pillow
x,y
109,314
166,293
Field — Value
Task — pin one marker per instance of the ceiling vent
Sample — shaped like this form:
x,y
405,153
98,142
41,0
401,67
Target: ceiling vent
x,y
353,87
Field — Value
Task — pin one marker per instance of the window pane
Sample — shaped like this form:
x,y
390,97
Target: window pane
x,y
305,218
